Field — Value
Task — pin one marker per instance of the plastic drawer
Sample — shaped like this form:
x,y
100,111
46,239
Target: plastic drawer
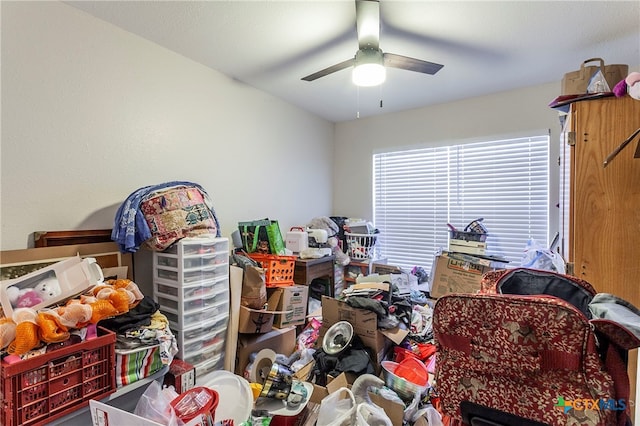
x,y
199,246
207,301
192,276
197,317
193,262
204,261
204,357
204,289
206,330
215,363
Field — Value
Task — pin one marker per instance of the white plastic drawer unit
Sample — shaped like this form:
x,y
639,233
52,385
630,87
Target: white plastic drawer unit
x,y
191,285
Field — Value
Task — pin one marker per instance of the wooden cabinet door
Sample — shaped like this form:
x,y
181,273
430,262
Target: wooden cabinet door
x,y
604,206
605,202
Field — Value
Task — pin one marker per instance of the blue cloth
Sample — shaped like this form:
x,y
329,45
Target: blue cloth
x,y
130,228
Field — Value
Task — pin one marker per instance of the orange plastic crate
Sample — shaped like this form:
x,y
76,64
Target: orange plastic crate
x,y
37,390
278,269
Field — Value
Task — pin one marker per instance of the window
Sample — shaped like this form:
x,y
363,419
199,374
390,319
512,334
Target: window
x,y
417,192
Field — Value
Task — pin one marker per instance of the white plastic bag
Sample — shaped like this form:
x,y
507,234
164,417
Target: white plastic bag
x,y
337,409
155,404
536,256
371,415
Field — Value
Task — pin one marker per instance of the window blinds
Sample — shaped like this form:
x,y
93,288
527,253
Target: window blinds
x,y
417,192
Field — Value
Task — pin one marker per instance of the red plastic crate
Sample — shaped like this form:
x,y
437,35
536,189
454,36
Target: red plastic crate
x,y
278,269
38,390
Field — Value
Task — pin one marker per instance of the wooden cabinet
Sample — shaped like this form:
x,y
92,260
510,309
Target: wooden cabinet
x,y
601,205
603,210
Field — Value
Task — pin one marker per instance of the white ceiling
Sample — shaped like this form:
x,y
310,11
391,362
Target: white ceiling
x,y
485,46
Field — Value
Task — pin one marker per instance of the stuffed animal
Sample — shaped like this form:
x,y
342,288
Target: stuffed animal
x,y
46,289
30,328
630,85
633,85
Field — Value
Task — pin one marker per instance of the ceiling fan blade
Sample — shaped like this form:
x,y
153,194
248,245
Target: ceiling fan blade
x,y
329,70
411,64
368,23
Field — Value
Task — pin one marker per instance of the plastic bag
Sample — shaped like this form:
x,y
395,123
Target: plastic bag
x,y
371,414
337,409
536,256
155,404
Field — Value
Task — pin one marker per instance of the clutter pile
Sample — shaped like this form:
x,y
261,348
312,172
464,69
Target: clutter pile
x,y
369,358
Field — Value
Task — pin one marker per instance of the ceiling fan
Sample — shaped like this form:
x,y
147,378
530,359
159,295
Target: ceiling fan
x,y
370,61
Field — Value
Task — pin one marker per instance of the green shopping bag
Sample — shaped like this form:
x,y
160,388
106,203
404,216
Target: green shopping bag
x,y
261,236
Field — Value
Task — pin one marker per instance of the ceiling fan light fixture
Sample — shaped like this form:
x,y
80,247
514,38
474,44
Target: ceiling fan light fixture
x,y
368,69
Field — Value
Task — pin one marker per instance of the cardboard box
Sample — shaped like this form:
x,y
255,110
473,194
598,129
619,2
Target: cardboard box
x,y
181,375
255,321
292,300
458,273
365,325
280,340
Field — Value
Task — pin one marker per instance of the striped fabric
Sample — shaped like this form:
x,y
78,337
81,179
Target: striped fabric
x,y
132,366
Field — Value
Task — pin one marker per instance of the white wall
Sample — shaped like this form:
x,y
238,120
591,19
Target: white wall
x,y
91,113
507,113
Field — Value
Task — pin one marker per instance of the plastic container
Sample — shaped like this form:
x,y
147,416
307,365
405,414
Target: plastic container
x,y
196,402
41,389
278,269
361,246
403,387
413,370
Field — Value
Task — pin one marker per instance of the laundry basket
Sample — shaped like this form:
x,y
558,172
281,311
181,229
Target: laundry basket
x,y
361,246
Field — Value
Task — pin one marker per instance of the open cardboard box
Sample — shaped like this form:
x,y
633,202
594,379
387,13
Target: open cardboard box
x,y
254,321
280,340
365,325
